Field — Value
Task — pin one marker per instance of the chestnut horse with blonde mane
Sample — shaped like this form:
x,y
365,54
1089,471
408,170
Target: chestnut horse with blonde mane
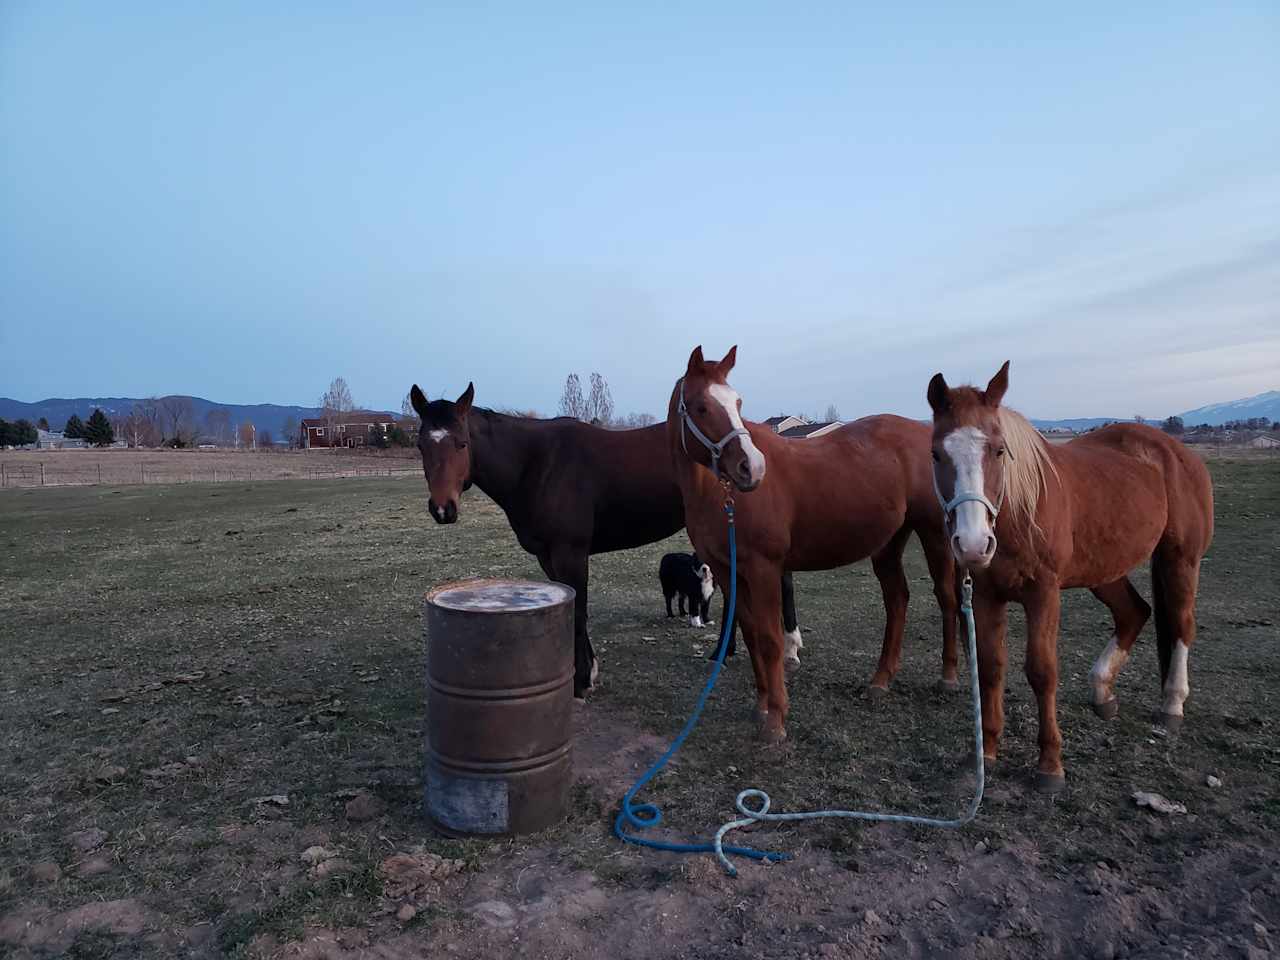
x,y
1029,519
812,504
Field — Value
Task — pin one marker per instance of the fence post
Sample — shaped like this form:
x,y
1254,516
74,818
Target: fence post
x,y
42,474
143,468
99,474
2,476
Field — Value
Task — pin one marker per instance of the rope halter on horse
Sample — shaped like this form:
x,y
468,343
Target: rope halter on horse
x,y
715,449
966,496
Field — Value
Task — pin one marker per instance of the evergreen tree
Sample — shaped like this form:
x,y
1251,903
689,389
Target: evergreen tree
x,y
98,430
74,429
23,432
6,433
42,423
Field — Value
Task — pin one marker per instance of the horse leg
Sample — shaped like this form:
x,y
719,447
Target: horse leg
x,y
1043,611
762,630
793,644
887,565
725,623
1130,613
991,623
570,565
942,570
1178,577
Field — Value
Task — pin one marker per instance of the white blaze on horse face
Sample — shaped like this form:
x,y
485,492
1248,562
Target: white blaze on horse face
x,y
1103,676
966,447
727,397
1177,687
438,435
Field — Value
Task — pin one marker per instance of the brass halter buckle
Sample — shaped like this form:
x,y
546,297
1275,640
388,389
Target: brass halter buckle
x,y
728,496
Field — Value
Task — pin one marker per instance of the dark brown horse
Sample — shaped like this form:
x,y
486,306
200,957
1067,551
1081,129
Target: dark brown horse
x,y
568,489
811,504
1029,519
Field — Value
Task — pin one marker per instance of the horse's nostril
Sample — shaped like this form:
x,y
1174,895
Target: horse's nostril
x,y
991,545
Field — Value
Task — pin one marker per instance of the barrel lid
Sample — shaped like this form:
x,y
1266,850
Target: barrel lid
x,y
499,596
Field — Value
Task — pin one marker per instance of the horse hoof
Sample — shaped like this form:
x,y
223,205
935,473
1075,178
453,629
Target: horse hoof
x,y
773,734
1172,722
949,686
1108,710
877,694
1050,782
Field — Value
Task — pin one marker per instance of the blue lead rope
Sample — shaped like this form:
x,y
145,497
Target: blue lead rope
x,y
646,816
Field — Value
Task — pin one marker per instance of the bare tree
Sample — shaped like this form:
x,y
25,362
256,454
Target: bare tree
x,y
571,402
247,435
264,440
217,426
140,428
600,402
177,415
290,432
334,404
633,421
832,413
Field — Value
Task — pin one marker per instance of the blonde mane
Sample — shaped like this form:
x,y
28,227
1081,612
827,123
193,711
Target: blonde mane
x,y
1029,462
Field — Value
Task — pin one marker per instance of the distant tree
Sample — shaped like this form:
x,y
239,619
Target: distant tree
x,y
141,427
377,437
98,430
571,402
43,424
1275,425
832,413
289,432
335,403
633,421
1139,418
217,426
246,434
6,433
600,402
176,416
23,432
1173,425
265,441
74,430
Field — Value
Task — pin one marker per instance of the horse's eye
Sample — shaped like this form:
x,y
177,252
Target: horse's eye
x,y
999,451
702,408
462,444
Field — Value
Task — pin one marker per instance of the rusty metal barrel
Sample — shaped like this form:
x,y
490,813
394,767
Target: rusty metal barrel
x,y
499,707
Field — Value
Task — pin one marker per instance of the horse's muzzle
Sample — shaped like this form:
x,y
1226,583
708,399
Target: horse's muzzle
x,y
443,514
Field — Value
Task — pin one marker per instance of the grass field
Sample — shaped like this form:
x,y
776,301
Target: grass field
x,y
173,654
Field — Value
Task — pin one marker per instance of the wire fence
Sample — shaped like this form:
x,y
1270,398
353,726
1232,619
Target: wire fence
x,y
109,473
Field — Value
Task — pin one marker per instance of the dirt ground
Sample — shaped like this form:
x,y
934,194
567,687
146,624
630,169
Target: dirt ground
x,y
213,727
59,468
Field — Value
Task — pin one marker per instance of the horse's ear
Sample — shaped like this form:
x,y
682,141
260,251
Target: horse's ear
x,y
998,385
939,394
463,404
729,360
696,363
419,401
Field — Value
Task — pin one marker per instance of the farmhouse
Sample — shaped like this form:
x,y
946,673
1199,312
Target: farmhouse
x,y
784,422
807,430
344,430
1264,442
54,440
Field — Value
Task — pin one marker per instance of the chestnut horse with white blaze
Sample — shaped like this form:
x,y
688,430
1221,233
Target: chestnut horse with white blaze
x,y
1029,519
812,504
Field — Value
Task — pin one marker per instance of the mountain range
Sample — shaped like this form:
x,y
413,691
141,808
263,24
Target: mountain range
x,y
57,410
272,416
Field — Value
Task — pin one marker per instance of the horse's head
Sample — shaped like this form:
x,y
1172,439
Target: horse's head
x,y
969,463
445,442
710,422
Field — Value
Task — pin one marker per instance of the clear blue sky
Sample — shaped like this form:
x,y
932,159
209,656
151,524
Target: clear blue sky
x,y
241,202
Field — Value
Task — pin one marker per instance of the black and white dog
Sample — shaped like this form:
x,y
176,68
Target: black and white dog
x,y
685,576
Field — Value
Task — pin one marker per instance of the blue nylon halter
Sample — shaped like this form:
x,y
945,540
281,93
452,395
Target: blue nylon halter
x,y
967,496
